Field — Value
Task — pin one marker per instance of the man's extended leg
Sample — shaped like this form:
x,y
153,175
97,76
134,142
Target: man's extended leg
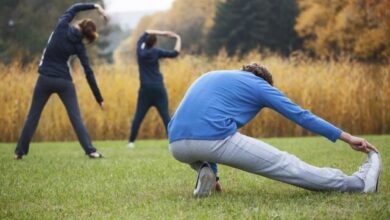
x,y
257,157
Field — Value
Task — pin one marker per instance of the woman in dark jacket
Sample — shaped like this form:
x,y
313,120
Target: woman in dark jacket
x,y
152,90
55,77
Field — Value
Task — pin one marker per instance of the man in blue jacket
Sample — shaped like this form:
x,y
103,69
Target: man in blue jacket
x,y
152,90
204,129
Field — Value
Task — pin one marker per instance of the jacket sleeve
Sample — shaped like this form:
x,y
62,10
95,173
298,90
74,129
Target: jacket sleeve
x,y
82,55
140,43
276,100
69,14
167,53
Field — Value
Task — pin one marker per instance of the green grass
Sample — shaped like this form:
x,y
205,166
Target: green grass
x,y
56,181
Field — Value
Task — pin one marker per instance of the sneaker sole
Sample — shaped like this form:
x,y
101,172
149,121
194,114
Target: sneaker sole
x,y
99,157
206,181
379,175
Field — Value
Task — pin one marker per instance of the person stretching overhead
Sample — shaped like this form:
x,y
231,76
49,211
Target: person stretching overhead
x,y
54,76
152,90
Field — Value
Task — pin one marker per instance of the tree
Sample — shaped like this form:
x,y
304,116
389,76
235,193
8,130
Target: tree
x,y
359,29
25,26
191,19
244,25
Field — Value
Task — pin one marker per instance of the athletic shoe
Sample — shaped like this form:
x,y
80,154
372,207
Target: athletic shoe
x,y
218,186
95,155
18,157
205,181
131,145
370,171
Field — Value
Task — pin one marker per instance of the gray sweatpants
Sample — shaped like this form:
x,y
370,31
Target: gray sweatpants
x,y
44,88
260,158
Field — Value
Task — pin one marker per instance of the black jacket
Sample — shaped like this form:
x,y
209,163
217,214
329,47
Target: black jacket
x,y
64,42
148,62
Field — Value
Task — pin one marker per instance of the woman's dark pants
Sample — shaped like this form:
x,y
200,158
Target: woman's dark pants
x,y
44,88
148,96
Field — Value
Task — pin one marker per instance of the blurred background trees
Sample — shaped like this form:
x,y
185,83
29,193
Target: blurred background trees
x,y
314,49
25,26
243,26
357,29
191,19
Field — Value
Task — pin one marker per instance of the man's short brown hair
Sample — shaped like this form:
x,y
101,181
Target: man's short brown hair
x,y
260,71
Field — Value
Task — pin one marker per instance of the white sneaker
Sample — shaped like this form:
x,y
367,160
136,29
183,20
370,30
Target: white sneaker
x,y
205,182
370,171
131,145
95,155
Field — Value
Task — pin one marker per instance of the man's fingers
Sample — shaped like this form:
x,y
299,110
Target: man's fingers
x,y
360,148
364,143
371,147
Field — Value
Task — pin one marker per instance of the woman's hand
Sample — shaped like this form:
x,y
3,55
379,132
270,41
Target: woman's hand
x,y
102,105
357,143
163,33
102,12
171,34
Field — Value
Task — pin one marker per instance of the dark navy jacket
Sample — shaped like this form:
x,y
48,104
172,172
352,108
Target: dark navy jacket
x,y
149,68
64,42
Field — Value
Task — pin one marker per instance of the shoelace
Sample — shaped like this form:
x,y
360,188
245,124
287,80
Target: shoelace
x,y
363,169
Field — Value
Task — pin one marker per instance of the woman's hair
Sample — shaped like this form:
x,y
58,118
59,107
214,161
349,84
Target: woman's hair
x,y
88,30
151,40
260,71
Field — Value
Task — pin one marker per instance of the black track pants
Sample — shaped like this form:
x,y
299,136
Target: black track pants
x,y
148,96
44,88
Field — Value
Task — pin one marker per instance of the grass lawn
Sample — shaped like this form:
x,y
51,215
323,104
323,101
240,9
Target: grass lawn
x,y
57,181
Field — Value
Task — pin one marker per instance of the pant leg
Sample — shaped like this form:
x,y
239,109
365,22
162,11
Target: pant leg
x,y
40,96
143,105
257,157
161,103
67,94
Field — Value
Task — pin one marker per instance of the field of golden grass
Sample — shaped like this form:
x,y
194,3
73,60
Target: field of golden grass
x,y
353,96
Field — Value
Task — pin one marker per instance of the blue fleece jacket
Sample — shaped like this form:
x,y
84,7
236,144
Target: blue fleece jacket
x,y
148,62
220,102
64,42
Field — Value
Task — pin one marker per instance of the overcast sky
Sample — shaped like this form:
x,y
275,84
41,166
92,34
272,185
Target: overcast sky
x,y
137,5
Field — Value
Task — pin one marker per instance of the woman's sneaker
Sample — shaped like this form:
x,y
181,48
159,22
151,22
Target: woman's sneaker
x,y
95,155
18,157
130,145
205,181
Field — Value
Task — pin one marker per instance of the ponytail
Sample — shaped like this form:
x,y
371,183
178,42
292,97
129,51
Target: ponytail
x,y
88,30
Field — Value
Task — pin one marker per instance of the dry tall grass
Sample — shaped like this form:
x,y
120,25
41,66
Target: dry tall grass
x,y
353,96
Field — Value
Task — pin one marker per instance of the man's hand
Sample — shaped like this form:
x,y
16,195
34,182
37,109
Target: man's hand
x,y
357,143
360,144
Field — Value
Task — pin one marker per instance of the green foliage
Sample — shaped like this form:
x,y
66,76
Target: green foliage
x,y
242,26
26,26
57,181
